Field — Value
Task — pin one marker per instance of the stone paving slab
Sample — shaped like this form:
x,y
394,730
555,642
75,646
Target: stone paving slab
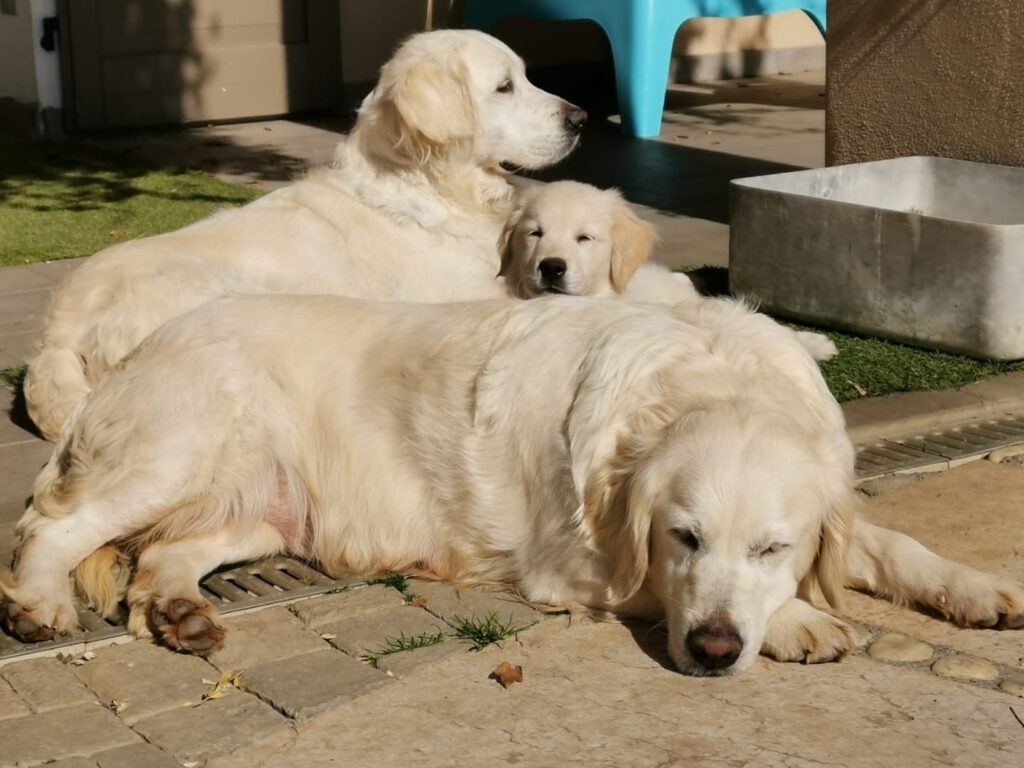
x,y
135,756
449,602
46,684
149,678
367,633
972,514
11,704
265,636
593,695
24,311
303,686
19,465
352,602
216,728
61,733
405,663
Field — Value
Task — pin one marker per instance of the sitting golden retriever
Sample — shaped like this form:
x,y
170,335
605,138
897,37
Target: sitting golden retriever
x,y
685,462
412,210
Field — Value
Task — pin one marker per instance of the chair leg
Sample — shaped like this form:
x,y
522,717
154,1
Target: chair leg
x,y
642,55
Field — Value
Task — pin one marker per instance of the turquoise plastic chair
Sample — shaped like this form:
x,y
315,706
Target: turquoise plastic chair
x,y
641,33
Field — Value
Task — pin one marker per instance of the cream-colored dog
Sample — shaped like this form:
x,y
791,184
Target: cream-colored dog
x,y
575,239
684,462
411,210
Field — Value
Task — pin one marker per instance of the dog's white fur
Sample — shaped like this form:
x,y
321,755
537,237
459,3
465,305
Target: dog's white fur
x,y
605,246
645,460
412,210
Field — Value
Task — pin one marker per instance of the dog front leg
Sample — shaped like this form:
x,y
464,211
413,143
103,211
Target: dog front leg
x,y
798,631
892,565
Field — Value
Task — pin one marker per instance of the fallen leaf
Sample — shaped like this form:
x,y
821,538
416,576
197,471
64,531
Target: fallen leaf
x,y
505,674
327,636
860,390
418,601
117,706
116,233
220,686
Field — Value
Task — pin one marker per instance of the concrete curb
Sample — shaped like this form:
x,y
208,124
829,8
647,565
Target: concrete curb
x,y
909,412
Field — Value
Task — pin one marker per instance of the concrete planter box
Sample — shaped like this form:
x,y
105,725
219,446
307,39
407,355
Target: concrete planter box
x,y
922,250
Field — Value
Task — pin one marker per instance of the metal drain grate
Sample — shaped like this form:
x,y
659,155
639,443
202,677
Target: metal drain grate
x,y
240,588
938,448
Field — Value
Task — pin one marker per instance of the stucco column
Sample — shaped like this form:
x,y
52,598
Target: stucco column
x,y
925,77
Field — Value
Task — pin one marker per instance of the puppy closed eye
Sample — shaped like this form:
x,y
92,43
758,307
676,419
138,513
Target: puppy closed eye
x,y
767,551
506,86
584,238
687,538
535,232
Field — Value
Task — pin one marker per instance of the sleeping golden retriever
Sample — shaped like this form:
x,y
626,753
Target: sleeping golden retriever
x,y
568,238
685,462
412,210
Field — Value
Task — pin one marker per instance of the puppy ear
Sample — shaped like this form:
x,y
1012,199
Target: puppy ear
x,y
505,244
423,107
828,570
633,239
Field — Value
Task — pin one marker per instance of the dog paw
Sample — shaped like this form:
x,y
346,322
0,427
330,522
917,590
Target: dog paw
x,y
980,600
188,626
800,632
40,622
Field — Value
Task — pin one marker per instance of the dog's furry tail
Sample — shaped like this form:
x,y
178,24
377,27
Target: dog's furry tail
x,y
54,384
102,579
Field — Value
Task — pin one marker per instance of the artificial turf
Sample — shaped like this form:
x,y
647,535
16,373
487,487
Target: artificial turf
x,y
61,200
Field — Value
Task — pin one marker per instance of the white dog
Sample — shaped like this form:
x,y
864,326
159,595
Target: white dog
x,y
412,210
685,462
576,239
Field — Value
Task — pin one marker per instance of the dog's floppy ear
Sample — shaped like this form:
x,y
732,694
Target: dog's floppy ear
x,y
505,249
633,240
828,571
422,107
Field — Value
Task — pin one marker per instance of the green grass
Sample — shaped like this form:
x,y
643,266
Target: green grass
x,y
405,642
866,367
62,200
13,378
486,631
394,580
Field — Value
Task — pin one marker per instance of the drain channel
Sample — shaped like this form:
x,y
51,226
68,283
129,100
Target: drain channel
x,y
253,585
938,448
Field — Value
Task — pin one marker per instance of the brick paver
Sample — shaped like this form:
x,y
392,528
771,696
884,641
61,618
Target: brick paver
x,y
61,733
305,685
46,684
269,635
11,704
448,602
352,602
215,728
146,678
367,633
135,756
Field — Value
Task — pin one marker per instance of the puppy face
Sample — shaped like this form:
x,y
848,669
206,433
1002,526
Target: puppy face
x,y
737,521
573,238
461,94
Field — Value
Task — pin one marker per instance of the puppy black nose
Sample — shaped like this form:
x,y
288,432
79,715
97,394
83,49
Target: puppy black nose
x,y
575,119
551,269
715,644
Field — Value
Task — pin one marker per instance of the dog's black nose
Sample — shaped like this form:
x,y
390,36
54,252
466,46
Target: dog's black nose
x,y
715,644
551,270
575,119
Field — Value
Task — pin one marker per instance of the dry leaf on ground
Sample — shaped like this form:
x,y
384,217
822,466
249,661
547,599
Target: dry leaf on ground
x,y
505,674
220,686
418,601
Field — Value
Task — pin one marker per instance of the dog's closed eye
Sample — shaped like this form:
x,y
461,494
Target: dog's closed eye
x,y
535,232
584,238
687,538
765,551
506,86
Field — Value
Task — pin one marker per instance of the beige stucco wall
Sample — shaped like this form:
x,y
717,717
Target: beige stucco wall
x,y
926,77
17,68
371,30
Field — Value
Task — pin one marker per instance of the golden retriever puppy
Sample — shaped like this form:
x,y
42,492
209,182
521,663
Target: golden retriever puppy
x,y
577,239
685,462
411,210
